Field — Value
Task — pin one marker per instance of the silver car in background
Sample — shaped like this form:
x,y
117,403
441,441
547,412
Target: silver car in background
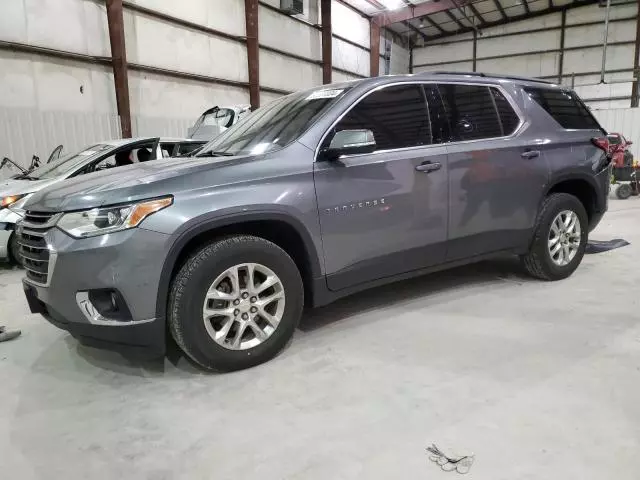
x,y
106,155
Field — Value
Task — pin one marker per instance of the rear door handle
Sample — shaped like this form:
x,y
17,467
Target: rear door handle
x,y
428,167
530,154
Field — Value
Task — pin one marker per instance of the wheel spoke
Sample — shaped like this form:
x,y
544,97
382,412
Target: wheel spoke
x,y
556,249
268,283
260,334
224,331
554,241
572,223
555,228
237,340
566,251
214,294
234,277
218,312
269,318
263,302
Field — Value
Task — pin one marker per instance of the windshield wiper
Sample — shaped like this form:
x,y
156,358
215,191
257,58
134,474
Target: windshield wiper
x,y
215,154
26,176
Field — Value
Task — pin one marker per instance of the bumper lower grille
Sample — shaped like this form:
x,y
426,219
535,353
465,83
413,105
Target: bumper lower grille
x,y
35,253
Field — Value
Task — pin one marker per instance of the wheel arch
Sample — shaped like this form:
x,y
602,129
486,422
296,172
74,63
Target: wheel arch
x,y
282,229
582,186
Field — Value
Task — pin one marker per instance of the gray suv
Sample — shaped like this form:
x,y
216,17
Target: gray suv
x,y
313,197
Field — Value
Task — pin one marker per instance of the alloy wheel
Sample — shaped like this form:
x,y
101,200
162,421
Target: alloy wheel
x,y
243,306
564,239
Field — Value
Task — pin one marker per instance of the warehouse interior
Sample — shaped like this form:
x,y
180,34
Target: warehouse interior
x,y
511,376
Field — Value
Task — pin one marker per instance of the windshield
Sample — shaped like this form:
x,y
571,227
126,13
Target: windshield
x,y
275,125
65,164
222,117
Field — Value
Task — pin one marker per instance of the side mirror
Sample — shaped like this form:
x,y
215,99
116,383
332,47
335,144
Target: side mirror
x,y
350,142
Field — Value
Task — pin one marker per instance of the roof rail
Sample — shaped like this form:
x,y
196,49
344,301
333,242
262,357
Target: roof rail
x,y
488,75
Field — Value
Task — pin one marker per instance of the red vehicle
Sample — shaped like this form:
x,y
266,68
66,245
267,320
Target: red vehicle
x,y
620,154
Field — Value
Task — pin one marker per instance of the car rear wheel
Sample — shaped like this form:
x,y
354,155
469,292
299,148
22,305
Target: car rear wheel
x,y
14,250
560,238
235,303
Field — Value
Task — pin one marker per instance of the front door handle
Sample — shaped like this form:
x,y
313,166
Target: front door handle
x,y
428,167
530,154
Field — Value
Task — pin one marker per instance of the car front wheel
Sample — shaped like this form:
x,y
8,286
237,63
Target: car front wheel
x,y
235,303
560,238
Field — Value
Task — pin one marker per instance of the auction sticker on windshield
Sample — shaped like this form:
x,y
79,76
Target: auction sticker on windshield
x,y
324,94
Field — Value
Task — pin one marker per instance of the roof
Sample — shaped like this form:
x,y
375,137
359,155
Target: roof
x,y
421,21
119,142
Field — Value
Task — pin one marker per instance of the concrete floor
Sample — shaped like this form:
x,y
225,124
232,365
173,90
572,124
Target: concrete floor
x,y
539,380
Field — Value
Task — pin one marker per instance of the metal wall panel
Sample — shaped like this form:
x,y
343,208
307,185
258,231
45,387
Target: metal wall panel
x,y
25,132
622,120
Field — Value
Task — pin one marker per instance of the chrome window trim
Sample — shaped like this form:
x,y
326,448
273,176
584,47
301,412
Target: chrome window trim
x,y
513,105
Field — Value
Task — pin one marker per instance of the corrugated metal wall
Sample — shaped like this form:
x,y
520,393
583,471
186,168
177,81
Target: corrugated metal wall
x,y
25,132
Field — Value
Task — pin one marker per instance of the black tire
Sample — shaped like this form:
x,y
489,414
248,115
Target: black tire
x,y
14,250
623,191
538,261
189,288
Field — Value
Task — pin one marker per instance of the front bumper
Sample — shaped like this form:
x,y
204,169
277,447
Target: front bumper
x,y
125,262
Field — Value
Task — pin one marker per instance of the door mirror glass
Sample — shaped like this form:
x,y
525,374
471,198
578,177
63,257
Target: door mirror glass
x,y
350,142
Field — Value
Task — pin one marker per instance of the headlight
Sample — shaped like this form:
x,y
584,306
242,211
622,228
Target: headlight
x,y
11,199
99,221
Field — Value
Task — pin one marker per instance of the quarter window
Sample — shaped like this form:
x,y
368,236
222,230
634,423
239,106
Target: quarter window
x,y
565,107
396,115
472,112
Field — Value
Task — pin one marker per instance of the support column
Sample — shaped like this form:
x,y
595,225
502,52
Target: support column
x,y
475,50
119,61
327,38
563,27
253,51
635,91
374,46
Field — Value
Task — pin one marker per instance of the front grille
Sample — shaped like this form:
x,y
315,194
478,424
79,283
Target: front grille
x,y
38,218
35,253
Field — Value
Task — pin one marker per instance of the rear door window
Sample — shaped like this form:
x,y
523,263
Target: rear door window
x,y
565,107
396,115
471,110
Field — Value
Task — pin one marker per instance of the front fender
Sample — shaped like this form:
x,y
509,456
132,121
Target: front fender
x,y
211,221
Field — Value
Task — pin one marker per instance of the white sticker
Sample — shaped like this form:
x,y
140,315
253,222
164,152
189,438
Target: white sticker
x,y
324,94
88,152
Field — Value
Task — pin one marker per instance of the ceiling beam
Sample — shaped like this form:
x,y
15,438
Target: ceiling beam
x,y
416,30
477,14
434,24
454,18
500,9
515,18
420,10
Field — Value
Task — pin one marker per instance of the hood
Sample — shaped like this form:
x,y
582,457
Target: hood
x,y
125,184
20,187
